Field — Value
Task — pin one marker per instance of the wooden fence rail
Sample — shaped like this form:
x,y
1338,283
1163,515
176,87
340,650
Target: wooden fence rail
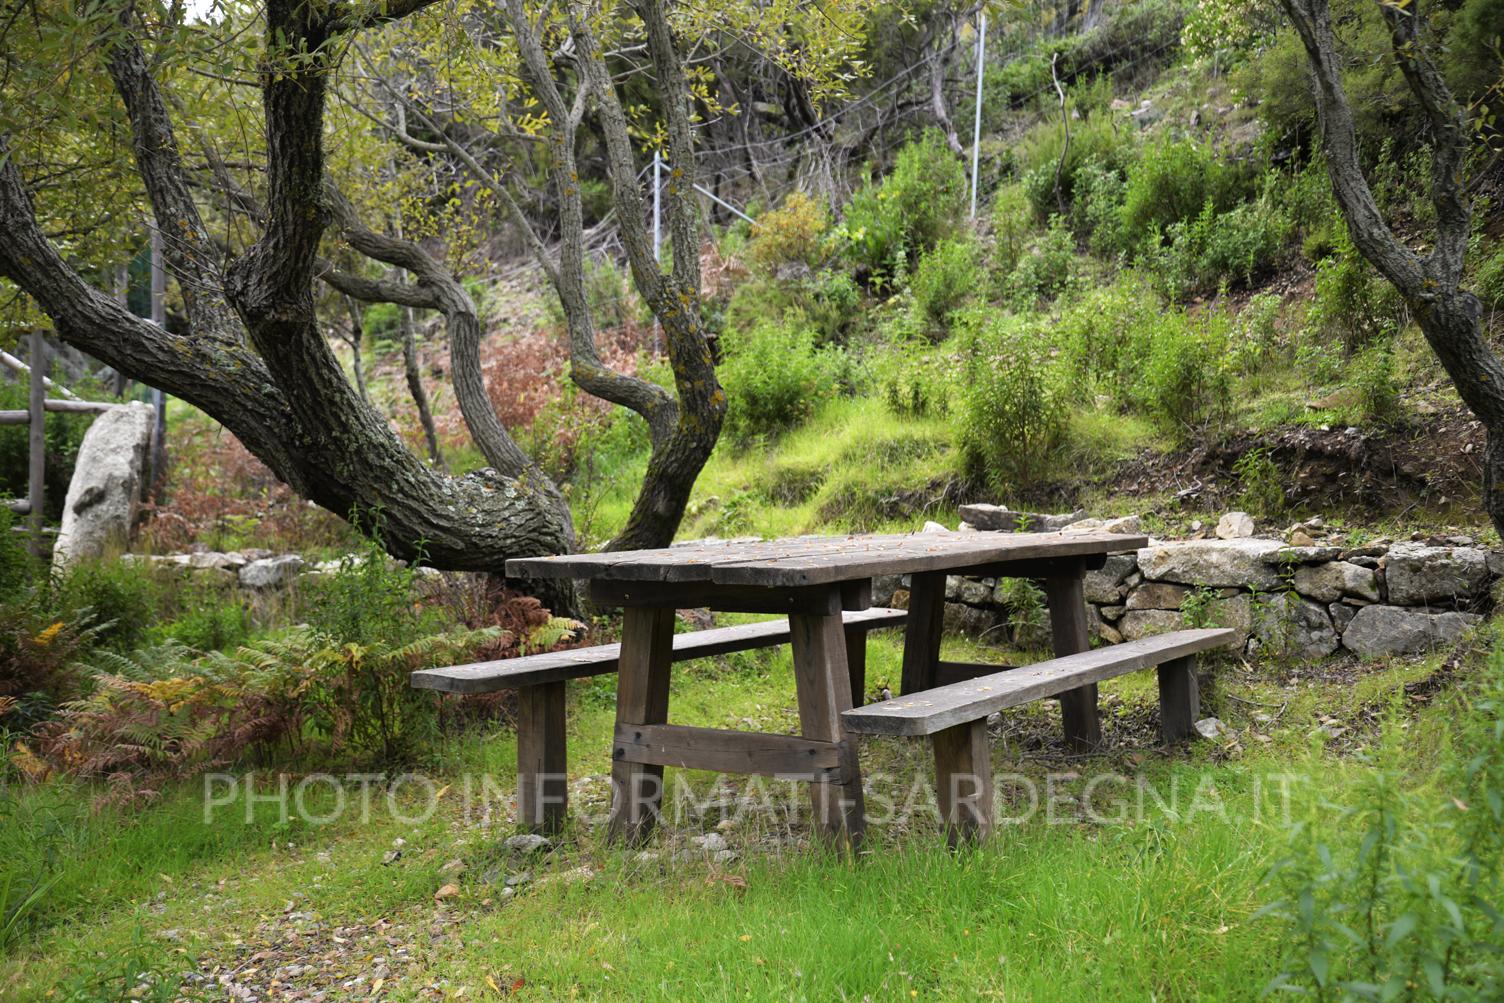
x,y
35,417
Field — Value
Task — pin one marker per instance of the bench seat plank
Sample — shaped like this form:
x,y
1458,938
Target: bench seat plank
x,y
577,663
929,711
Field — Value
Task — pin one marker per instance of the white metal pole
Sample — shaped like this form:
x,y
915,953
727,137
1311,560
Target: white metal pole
x,y
976,129
657,205
657,238
158,398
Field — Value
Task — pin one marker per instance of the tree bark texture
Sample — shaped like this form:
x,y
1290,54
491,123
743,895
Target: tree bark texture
x,y
255,357
1450,317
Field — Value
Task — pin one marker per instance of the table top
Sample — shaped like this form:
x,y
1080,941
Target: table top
x,y
821,560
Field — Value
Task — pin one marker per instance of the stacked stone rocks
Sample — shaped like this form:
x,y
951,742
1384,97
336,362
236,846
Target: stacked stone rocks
x,y
1292,597
254,570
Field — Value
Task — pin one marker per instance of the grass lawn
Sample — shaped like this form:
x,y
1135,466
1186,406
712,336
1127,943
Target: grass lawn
x,y
1144,886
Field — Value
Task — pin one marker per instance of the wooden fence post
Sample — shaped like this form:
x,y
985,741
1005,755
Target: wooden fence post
x,y
37,439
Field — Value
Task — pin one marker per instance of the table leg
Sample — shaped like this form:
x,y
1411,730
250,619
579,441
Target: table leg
x,y
1067,605
856,664
824,686
647,645
921,638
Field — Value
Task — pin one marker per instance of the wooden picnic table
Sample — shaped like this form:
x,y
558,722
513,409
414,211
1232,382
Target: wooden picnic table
x,y
812,580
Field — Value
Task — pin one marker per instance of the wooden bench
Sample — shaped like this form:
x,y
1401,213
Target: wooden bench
x,y
542,791
955,716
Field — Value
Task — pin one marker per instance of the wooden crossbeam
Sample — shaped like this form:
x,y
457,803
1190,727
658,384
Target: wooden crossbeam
x,y
725,751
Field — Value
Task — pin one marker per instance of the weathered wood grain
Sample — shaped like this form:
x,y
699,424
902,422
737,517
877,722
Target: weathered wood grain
x,y
824,690
647,647
929,711
1070,634
822,560
726,751
963,781
921,639
816,600
578,663
1179,699
542,760
947,672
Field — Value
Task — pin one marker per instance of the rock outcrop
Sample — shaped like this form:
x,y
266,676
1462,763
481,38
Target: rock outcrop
x,y
104,498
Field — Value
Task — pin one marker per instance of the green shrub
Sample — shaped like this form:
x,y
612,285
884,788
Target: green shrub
x,y
1372,375
18,567
1400,894
1308,200
791,234
831,303
1013,403
1185,377
1352,303
888,225
380,321
1473,46
1046,271
916,384
120,596
1172,182
1097,145
1490,280
208,620
828,300
1220,248
1012,226
947,277
774,376
369,599
1104,334
1097,210
1260,484
1256,340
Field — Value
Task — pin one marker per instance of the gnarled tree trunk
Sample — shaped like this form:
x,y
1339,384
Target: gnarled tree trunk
x,y
1450,317
283,394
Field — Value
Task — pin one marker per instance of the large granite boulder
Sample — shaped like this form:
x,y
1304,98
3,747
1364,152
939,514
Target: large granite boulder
x,y
1418,575
104,498
1219,563
1392,630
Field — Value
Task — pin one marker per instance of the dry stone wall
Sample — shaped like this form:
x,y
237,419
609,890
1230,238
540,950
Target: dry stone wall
x,y
1294,597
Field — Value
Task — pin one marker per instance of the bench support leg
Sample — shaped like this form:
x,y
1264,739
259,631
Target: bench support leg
x,y
1179,701
647,650
542,780
824,686
921,638
856,665
963,781
1078,707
